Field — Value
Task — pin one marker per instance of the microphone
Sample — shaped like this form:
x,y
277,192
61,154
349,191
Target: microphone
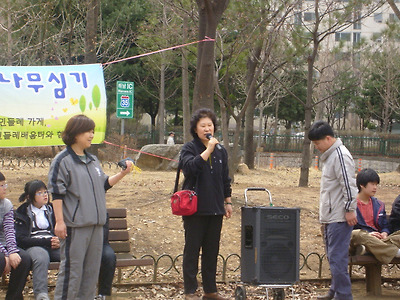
x,y
209,136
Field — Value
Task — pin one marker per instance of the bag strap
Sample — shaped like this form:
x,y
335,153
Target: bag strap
x,y
178,171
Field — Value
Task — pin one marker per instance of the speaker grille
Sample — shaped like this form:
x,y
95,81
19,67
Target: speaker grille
x,y
275,232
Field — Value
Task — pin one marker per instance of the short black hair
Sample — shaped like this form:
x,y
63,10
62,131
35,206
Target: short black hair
x,y
319,130
2,177
30,190
365,176
199,114
76,125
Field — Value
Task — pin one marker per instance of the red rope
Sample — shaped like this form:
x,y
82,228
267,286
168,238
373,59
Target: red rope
x,y
151,154
207,39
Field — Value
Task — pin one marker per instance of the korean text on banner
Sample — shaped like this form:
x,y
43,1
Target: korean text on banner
x,y
37,102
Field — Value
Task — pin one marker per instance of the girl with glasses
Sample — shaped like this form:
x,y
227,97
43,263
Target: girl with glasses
x,y
34,223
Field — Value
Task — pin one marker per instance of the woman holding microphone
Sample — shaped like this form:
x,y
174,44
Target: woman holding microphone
x,y
206,172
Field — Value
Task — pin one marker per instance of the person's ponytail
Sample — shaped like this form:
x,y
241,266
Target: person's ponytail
x,y
23,197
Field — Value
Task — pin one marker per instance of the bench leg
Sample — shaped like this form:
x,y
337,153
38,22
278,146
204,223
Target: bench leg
x,y
373,279
119,275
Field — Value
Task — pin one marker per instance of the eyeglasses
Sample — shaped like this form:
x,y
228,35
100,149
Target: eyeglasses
x,y
45,193
4,186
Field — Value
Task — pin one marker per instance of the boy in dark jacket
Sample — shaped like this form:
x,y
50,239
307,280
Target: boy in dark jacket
x,y
394,219
371,234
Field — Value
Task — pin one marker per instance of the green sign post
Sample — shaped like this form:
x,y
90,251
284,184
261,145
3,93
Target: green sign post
x,y
125,99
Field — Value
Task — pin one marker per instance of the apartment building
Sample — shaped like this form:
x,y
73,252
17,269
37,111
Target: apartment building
x,y
366,29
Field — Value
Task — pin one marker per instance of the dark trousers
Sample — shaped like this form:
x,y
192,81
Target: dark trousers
x,y
107,269
337,241
201,232
17,276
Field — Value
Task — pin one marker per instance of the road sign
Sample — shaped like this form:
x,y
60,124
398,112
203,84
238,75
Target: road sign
x,y
125,99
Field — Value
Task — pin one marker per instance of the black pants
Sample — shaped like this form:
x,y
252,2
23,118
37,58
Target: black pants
x,y
107,269
201,232
17,276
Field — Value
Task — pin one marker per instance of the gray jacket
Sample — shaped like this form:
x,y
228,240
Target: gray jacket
x,y
81,186
338,192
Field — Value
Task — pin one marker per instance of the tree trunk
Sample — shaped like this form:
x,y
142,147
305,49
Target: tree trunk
x,y
161,107
67,8
252,63
225,138
394,7
92,15
210,13
249,134
9,35
260,130
234,155
306,153
185,86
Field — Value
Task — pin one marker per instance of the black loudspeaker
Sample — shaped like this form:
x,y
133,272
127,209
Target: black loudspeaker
x,y
270,245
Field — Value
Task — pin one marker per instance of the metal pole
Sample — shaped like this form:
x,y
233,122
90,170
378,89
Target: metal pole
x,y
122,126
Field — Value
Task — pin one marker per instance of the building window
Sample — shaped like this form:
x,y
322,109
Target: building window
x,y
297,18
357,20
344,56
377,37
357,25
308,16
378,18
393,17
342,36
356,37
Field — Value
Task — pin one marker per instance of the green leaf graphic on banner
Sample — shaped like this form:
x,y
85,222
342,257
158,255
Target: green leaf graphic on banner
x,y
96,96
82,103
90,105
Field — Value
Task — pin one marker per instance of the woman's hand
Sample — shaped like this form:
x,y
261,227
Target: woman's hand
x,y
112,180
60,230
228,211
212,143
14,259
228,207
129,165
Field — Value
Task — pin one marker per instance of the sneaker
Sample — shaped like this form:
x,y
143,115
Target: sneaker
x,y
360,250
210,296
192,297
325,297
42,296
100,297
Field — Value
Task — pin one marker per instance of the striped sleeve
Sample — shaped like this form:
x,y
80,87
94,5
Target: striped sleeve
x,y
346,178
9,231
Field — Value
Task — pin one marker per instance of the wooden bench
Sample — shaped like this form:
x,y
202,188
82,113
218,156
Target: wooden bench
x,y
373,271
119,241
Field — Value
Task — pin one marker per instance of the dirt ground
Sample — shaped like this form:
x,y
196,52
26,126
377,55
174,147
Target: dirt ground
x,y
155,231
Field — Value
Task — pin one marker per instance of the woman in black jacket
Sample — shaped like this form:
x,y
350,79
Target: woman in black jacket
x,y
205,165
34,224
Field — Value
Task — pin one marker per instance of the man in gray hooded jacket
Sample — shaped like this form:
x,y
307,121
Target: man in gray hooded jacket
x,y
338,204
